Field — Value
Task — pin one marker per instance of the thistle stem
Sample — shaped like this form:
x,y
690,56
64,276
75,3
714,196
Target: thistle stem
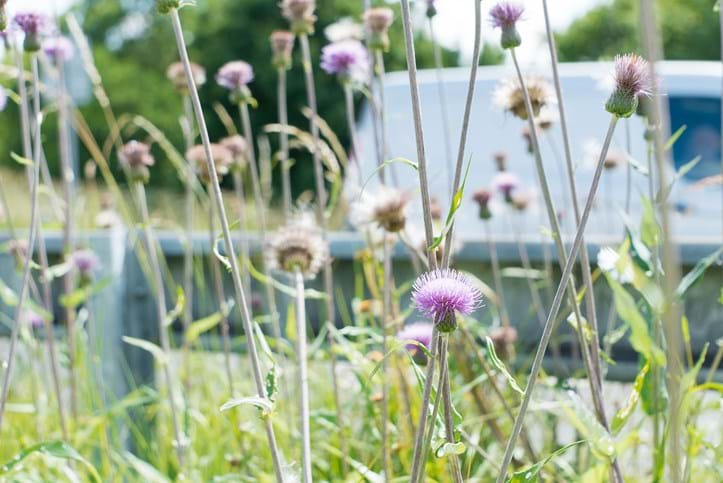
x,y
380,74
435,410
188,249
497,276
386,311
321,201
448,411
284,121
238,187
438,68
351,121
525,259
555,308
236,276
303,376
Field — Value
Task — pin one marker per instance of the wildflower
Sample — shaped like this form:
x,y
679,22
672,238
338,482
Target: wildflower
x,y
3,99
509,95
520,201
165,6
482,196
377,21
137,157
500,158
282,44
177,75
431,8
419,332
301,15
390,209
505,16
84,262
298,245
33,26
237,146
235,76
506,182
609,261
503,339
222,160
32,318
441,294
632,80
347,59
18,249
344,29
58,49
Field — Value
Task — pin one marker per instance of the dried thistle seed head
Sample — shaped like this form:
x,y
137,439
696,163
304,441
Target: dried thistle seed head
x,y
282,45
500,158
165,6
238,147
509,95
505,15
137,158
33,25
520,201
632,81
442,294
177,75
378,20
222,160
298,245
389,210
58,49
482,197
300,13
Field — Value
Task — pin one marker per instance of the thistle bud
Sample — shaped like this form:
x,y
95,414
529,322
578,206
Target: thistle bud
x,y
137,158
235,76
500,158
165,6
632,81
431,9
222,160
176,73
505,16
33,26
377,21
482,196
238,147
282,44
300,13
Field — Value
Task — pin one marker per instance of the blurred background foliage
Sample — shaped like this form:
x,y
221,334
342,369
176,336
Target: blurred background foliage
x,y
133,46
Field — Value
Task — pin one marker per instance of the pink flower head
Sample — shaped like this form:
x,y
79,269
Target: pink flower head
x,y
418,331
235,75
135,154
506,182
505,14
32,318
58,49
441,294
31,23
282,44
347,59
85,261
632,80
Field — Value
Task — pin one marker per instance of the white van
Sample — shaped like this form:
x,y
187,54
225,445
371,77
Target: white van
x,y
693,95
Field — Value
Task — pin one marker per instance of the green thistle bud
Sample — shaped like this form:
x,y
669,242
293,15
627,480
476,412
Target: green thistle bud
x,y
165,6
448,323
510,37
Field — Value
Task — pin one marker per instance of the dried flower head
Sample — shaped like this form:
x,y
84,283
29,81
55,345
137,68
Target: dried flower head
x,y
344,29
347,59
500,158
505,15
420,332
177,75
441,294
505,183
378,20
238,147
222,160
300,13
509,95
632,81
503,339
58,49
33,25
521,200
137,157
389,209
483,196
282,44
298,245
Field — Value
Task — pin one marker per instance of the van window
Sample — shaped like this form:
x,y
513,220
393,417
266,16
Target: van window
x,y
702,137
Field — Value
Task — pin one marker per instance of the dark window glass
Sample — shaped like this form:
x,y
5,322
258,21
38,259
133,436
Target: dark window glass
x,y
702,137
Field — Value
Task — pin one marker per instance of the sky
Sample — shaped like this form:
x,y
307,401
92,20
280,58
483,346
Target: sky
x,y
453,24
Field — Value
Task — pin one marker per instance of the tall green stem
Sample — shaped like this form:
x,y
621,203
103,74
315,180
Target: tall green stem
x,y
441,92
284,121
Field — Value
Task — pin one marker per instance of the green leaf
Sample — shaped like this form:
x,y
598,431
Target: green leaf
x,y
401,160
83,294
201,326
624,413
697,272
530,474
500,366
145,470
178,309
664,193
650,232
676,135
290,291
587,424
262,403
156,351
448,449
21,160
640,337
454,206
56,449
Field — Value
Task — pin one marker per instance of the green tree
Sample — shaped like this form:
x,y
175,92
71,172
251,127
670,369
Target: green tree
x,y
690,30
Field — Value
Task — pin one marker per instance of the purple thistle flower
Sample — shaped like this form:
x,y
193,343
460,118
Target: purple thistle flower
x,y
85,261
32,318
632,80
347,59
482,196
58,49
32,24
441,294
235,75
505,14
419,332
506,182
